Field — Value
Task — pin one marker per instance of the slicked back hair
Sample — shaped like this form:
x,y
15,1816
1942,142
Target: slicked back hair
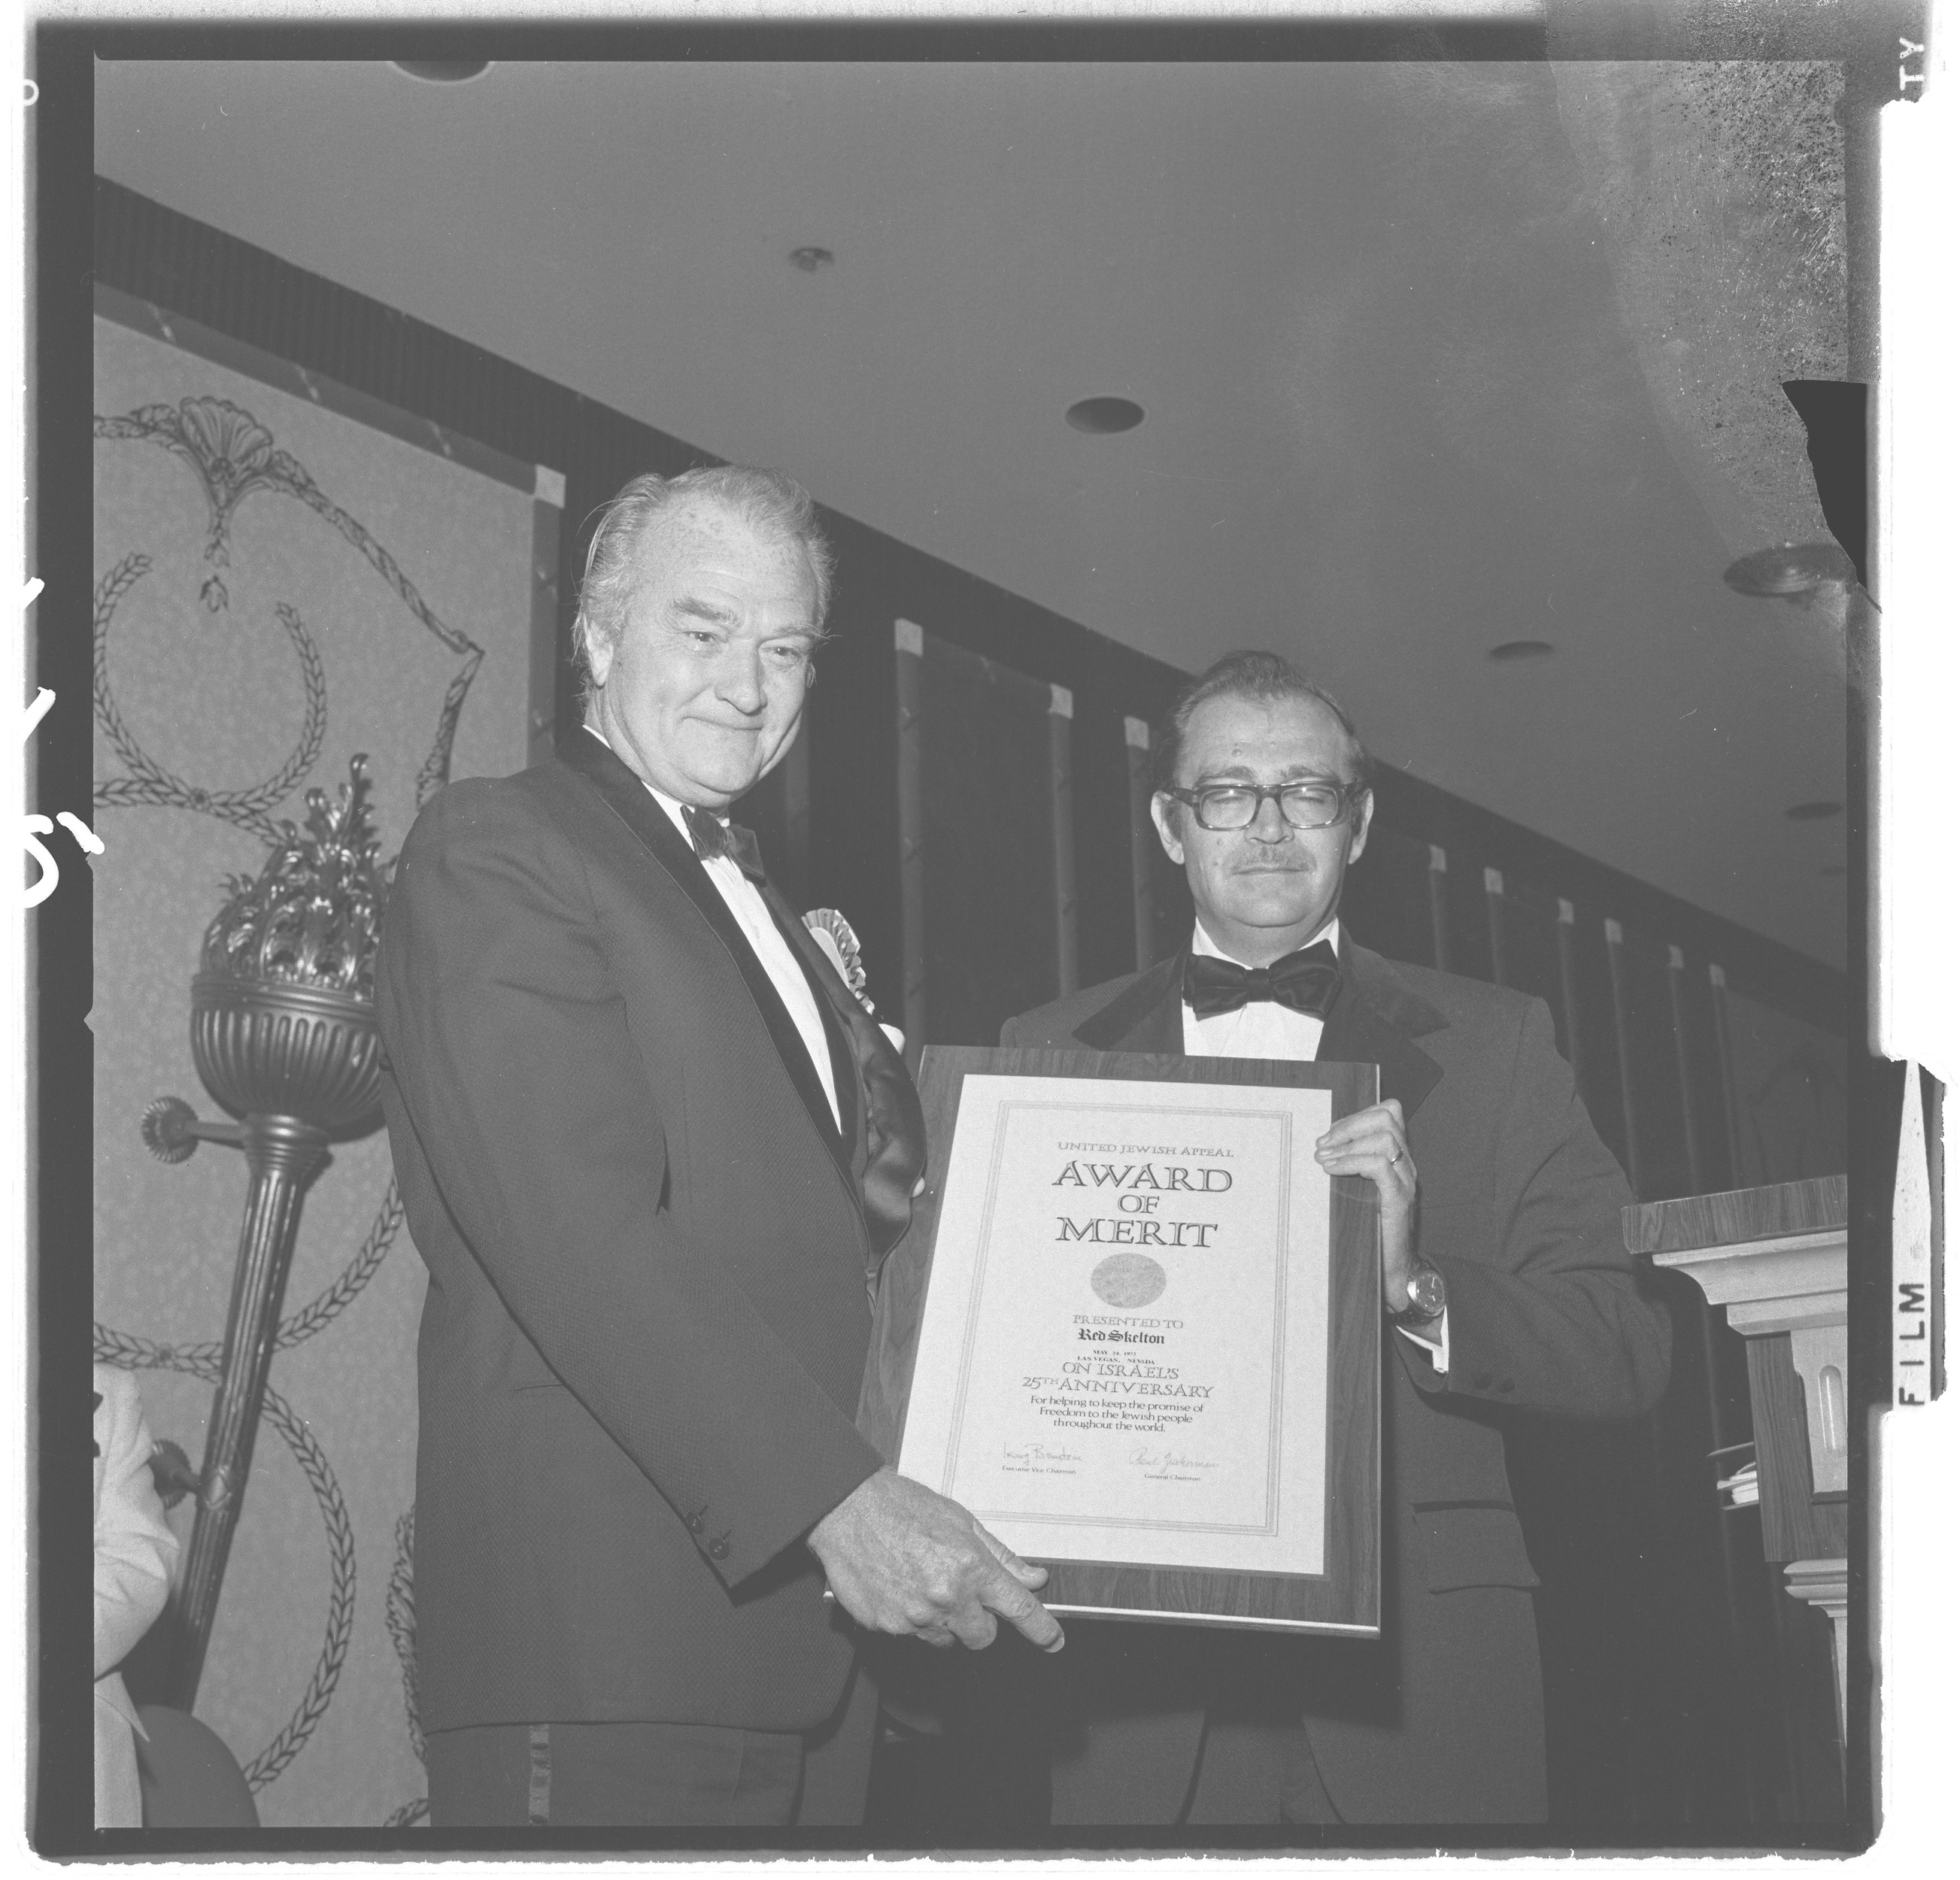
x,y
1265,677
771,503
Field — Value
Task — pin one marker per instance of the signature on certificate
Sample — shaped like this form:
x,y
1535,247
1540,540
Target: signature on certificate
x,y
1167,1460
1032,1453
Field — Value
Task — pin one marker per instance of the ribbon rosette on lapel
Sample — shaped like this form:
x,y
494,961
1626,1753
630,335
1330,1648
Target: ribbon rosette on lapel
x,y
834,936
899,1129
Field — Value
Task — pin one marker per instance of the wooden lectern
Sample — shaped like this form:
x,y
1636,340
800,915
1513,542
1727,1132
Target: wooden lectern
x,y
1774,1259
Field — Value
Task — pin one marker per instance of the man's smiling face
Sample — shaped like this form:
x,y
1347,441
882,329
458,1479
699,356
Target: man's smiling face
x,y
1265,889
702,690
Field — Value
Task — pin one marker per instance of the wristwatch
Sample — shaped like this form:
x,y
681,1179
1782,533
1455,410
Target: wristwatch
x,y
1427,1297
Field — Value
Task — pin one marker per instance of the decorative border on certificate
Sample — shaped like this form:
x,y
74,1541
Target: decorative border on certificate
x,y
1156,1432
1269,1524
1141,1340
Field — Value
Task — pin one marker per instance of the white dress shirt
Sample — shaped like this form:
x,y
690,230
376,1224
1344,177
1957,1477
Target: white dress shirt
x,y
758,928
1264,1028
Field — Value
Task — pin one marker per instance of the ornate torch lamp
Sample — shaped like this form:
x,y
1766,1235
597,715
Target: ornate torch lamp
x,y
283,1032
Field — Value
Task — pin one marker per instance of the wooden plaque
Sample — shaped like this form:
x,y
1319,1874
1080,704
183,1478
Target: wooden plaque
x,y
1339,1297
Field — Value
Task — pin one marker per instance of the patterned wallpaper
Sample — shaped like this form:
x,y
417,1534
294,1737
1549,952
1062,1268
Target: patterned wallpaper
x,y
286,573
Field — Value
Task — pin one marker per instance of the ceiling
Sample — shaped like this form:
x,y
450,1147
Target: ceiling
x,y
1405,399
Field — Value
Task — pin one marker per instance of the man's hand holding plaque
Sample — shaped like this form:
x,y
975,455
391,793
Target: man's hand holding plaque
x,y
1374,1142
901,1559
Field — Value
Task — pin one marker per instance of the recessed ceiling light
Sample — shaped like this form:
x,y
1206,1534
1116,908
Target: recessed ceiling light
x,y
443,71
810,259
1512,650
1790,571
1104,417
1813,812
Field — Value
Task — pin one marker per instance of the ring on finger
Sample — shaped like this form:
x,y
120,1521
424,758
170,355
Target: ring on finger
x,y
1395,1157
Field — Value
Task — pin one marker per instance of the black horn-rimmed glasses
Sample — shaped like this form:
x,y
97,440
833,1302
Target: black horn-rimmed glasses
x,y
1305,805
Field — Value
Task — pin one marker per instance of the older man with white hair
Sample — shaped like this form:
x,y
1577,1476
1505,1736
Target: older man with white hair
x,y
653,1152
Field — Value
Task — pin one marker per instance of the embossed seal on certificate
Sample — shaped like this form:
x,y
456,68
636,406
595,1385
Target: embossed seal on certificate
x,y
1129,1279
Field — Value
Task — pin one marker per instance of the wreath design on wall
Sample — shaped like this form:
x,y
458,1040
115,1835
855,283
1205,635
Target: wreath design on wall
x,y
234,457
401,1616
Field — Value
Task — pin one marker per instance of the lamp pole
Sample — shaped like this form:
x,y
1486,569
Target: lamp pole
x,y
283,1034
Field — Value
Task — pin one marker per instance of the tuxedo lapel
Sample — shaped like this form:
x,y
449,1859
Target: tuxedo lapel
x,y
1147,1016
844,1073
892,1145
1374,1020
837,1027
634,804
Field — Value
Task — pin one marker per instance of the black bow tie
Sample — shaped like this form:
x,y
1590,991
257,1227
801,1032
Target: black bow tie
x,y
1305,981
713,837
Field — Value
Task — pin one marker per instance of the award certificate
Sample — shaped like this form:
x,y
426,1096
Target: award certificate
x,y
1137,1369
1136,1330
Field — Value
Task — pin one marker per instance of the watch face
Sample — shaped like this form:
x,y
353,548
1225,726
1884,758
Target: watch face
x,y
1425,1292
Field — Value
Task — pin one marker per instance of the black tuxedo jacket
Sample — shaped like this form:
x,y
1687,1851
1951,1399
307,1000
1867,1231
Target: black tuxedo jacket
x,y
1519,1210
648,1244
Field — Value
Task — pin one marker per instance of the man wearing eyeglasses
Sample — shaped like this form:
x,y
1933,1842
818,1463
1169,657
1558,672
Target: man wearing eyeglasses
x,y
1506,1287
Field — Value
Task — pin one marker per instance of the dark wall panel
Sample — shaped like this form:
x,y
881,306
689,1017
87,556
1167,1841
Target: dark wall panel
x,y
1170,895
853,760
1597,1066
1467,910
990,909
1706,1094
1529,919
1386,900
1105,903
1652,1069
